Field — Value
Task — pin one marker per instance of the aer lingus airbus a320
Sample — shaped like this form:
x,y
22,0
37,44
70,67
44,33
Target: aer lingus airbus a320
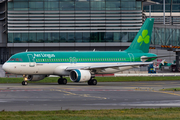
x,y
82,66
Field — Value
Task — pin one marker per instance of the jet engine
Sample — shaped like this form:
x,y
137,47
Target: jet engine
x,y
80,75
34,77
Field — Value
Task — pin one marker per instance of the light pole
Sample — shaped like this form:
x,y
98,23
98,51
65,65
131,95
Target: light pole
x,y
164,10
149,11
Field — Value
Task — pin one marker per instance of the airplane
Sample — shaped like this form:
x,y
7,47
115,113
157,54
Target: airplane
x,y
82,66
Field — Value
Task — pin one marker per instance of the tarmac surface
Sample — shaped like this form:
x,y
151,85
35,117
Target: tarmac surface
x,y
80,96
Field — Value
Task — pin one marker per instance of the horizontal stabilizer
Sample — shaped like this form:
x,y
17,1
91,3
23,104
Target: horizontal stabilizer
x,y
144,58
159,56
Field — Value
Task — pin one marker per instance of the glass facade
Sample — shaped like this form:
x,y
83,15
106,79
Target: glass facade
x,y
157,12
61,21
159,7
166,35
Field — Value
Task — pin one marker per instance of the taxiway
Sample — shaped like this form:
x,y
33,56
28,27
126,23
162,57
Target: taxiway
x,y
80,96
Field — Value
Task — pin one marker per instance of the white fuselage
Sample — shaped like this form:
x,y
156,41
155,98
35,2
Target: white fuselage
x,y
56,68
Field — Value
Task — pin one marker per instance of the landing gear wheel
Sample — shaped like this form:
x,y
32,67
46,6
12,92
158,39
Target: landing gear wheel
x,y
62,81
92,82
24,82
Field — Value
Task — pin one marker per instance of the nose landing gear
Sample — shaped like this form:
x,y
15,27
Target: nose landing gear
x,y
24,83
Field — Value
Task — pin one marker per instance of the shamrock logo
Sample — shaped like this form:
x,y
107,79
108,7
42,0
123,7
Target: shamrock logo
x,y
145,37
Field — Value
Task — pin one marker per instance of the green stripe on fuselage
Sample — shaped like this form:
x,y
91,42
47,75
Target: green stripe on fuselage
x,y
80,57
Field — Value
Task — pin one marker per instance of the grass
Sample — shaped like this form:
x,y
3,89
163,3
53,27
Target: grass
x,y
170,89
125,114
99,79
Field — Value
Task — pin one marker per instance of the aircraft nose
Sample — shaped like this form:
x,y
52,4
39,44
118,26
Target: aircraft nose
x,y
5,67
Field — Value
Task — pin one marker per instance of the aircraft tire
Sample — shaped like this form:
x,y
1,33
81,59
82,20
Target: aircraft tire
x,y
94,82
64,81
90,82
60,81
24,82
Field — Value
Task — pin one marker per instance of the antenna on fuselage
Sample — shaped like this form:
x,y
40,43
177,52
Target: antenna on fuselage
x,y
26,50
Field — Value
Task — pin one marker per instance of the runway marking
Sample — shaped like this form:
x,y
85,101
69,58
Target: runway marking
x,y
167,93
152,90
81,95
147,85
95,90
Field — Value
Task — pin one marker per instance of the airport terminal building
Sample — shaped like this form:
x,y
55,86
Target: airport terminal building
x,y
66,25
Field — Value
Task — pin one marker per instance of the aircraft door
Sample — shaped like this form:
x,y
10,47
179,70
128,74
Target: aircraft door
x,y
131,57
31,60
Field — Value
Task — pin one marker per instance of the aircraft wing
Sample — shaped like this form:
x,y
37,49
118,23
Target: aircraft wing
x,y
108,66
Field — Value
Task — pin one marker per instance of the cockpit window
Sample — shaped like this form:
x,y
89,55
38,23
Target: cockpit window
x,y
20,59
12,59
16,59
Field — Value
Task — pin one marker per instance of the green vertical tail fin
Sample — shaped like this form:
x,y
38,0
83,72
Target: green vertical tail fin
x,y
143,39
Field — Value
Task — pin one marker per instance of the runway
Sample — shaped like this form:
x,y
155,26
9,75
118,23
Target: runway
x,y
80,96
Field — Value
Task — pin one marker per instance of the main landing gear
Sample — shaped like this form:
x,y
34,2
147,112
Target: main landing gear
x,y
92,82
62,81
24,83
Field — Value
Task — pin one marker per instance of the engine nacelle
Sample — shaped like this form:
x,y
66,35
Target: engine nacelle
x,y
80,75
34,77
